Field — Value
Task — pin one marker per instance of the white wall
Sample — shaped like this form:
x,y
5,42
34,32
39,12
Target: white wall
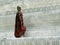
x,y
38,15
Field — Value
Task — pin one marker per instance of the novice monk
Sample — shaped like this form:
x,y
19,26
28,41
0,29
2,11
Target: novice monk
x,y
19,25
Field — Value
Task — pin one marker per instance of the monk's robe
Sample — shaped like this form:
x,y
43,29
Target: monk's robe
x,y
19,26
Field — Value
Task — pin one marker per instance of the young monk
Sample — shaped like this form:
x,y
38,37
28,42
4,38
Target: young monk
x,y
19,25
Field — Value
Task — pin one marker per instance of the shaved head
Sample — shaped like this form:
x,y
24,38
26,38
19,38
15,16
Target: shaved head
x,y
18,8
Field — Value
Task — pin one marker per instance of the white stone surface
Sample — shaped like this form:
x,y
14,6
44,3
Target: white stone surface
x,y
9,39
41,18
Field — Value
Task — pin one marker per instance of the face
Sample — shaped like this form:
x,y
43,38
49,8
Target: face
x,y
18,8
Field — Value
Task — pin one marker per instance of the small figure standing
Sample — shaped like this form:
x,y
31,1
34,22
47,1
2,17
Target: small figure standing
x,y
19,25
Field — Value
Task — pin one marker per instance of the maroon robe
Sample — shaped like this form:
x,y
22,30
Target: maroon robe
x,y
19,26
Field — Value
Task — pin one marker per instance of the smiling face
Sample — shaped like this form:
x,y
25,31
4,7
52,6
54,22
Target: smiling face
x,y
18,8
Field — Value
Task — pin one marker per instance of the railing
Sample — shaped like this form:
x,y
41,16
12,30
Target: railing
x,y
31,41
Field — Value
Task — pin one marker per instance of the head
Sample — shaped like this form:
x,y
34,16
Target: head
x,y
18,8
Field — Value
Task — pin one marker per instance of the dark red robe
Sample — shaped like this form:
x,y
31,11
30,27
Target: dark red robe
x,y
19,26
